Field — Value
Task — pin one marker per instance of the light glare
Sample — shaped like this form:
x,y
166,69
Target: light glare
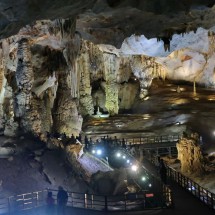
x,y
134,167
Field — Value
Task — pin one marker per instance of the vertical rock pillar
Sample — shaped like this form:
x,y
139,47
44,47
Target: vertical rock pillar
x,y
111,67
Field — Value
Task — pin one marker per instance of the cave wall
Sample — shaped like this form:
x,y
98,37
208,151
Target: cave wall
x,y
51,78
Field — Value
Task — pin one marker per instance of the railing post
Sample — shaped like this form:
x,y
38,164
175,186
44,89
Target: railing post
x,y
125,203
72,199
106,204
212,200
92,201
23,202
85,200
9,205
37,197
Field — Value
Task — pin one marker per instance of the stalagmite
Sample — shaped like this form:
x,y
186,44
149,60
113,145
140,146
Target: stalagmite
x,y
111,65
24,77
194,88
190,155
85,89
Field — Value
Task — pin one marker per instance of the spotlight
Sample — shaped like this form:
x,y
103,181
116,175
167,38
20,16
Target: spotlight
x,y
134,168
99,152
123,157
143,178
93,151
150,185
118,155
128,161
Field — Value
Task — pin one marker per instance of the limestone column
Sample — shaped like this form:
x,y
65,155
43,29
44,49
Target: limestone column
x,y
111,69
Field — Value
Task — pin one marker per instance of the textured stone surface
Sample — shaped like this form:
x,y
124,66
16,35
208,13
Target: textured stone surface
x,y
190,155
54,77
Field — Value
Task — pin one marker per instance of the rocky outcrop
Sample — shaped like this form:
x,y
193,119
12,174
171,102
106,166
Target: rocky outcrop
x,y
110,183
84,164
190,155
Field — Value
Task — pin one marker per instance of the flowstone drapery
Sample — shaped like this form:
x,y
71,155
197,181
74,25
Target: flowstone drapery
x,y
143,68
50,82
71,51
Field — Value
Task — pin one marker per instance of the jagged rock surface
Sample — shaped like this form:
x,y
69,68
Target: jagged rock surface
x,y
190,155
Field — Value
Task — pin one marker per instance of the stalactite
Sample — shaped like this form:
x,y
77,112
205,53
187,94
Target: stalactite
x,y
96,61
64,28
71,51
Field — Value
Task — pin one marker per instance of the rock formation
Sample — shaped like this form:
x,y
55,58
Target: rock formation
x,y
55,73
190,155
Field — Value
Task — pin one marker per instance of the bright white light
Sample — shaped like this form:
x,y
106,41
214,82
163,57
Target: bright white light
x,y
118,154
93,151
134,167
214,133
191,188
128,161
123,157
150,185
99,152
143,178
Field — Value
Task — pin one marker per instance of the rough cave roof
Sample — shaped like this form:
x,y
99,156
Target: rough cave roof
x,y
111,21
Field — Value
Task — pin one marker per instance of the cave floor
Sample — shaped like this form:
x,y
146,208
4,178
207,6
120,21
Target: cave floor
x,y
168,109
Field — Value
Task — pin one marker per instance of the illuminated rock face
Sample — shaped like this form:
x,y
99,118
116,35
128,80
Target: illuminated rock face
x,y
190,155
50,77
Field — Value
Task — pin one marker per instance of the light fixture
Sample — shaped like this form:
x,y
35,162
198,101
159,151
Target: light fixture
x,y
143,178
118,154
123,157
134,168
99,152
128,161
93,151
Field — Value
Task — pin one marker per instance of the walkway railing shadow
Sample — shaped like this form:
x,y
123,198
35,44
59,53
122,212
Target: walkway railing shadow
x,y
192,187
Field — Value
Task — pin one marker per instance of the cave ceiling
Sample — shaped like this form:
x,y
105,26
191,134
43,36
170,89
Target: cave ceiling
x,y
111,21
